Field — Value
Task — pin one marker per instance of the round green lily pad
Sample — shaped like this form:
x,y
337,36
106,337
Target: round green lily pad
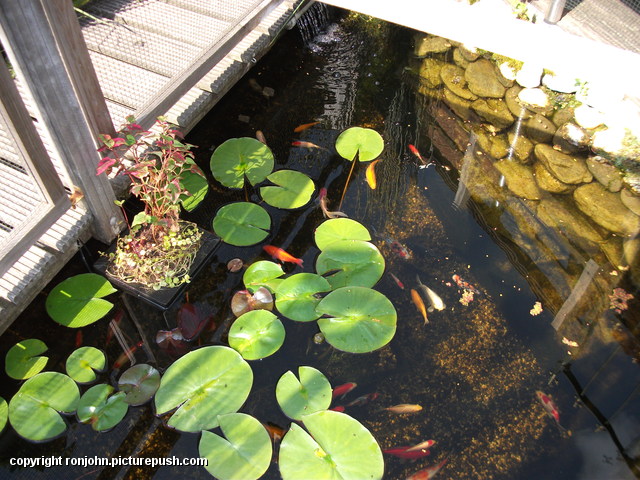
x,y
351,262
102,409
242,224
82,364
340,229
240,157
197,186
262,274
203,384
359,319
294,189
310,394
4,413
339,447
245,453
78,301
296,296
139,383
256,334
364,141
22,360
33,411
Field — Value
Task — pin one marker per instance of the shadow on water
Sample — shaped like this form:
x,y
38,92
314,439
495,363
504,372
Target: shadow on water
x,y
475,367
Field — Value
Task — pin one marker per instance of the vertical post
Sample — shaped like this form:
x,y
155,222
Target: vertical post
x,y
46,46
554,13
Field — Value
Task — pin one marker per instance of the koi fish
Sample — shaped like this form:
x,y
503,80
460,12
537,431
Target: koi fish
x,y
127,354
464,285
417,301
364,399
342,390
427,473
370,174
400,250
279,254
406,452
549,406
260,137
275,432
397,280
304,126
404,408
322,199
299,143
78,343
435,302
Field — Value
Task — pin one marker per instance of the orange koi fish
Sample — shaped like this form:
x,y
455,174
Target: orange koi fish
x,y
415,151
371,174
299,143
275,432
304,126
127,354
428,473
397,280
417,300
549,406
404,408
260,137
342,390
279,254
322,199
464,285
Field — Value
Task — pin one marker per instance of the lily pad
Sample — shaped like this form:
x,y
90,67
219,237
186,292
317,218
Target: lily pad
x,y
102,409
78,301
203,384
139,383
359,319
256,334
310,394
294,189
296,296
22,360
351,262
246,452
340,229
242,224
243,301
197,186
263,274
364,141
83,362
339,447
238,158
33,411
4,413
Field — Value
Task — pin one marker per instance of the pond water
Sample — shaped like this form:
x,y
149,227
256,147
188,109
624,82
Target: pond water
x,y
476,366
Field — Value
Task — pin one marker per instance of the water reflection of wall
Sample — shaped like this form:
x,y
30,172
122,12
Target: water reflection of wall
x,y
530,167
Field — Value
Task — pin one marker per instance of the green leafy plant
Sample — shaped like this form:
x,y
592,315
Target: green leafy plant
x,y
293,190
159,249
351,262
240,158
4,413
298,295
310,394
242,223
101,407
256,334
263,274
139,383
23,360
340,229
84,362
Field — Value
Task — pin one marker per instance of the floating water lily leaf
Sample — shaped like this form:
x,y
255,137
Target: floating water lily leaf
x,y
4,413
339,447
368,143
310,394
243,301
296,296
242,224
263,274
340,229
77,301
81,364
33,411
203,384
22,360
139,383
100,408
355,262
246,452
294,189
197,186
240,157
256,334
360,319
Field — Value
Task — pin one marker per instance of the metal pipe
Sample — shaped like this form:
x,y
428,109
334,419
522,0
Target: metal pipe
x,y
554,13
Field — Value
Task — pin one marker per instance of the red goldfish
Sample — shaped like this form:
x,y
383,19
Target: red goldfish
x,y
304,126
127,354
397,280
549,406
417,301
322,198
415,151
422,445
279,254
342,390
338,408
371,174
411,452
302,144
428,473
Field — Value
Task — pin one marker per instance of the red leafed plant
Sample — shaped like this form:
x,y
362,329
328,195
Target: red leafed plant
x,y
163,176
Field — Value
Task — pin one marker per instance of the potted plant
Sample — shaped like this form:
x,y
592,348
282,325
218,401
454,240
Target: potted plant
x,y
159,248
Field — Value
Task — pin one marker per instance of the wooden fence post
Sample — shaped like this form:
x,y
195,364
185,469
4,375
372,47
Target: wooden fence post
x,y
49,52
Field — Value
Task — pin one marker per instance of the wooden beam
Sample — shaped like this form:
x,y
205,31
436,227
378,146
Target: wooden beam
x,y
54,63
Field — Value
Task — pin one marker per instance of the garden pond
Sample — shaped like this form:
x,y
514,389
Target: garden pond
x,y
512,332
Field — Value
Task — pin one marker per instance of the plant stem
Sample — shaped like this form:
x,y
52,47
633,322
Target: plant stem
x,y
344,191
